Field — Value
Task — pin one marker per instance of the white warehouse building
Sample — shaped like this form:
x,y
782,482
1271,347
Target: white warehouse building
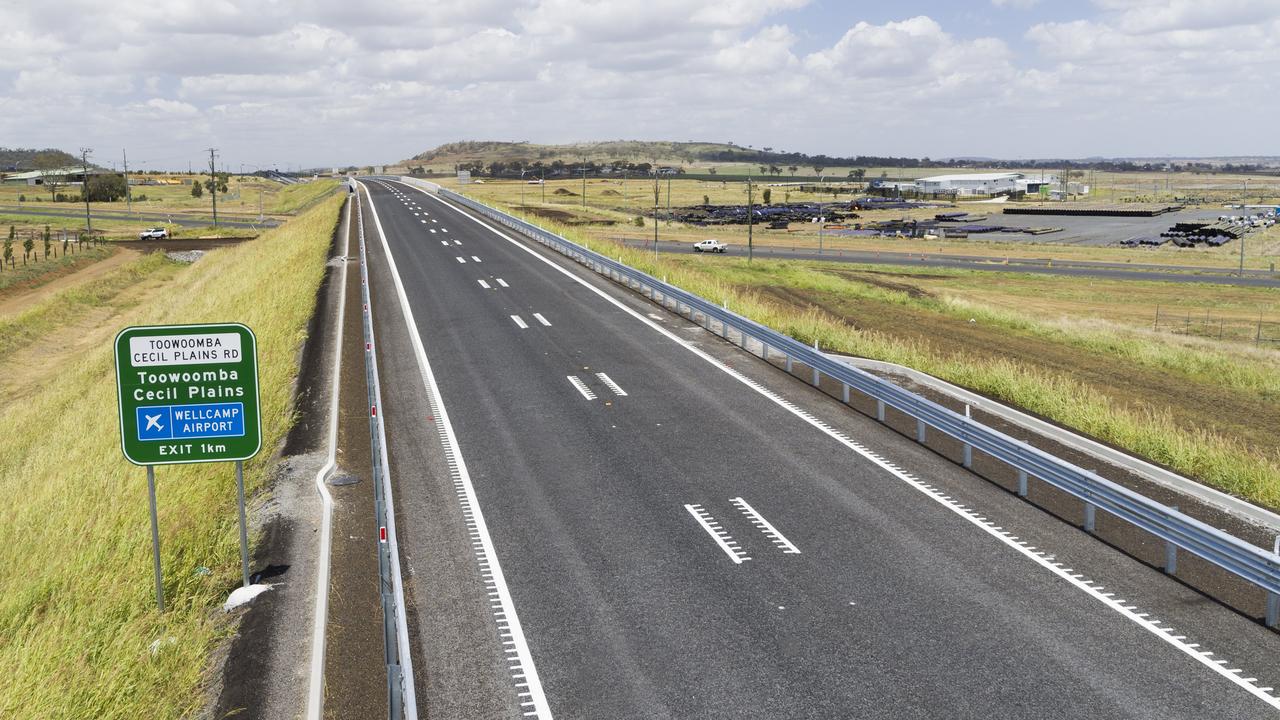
x,y
983,183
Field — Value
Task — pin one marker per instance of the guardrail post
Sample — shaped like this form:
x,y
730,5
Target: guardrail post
x,y
968,455
919,430
764,350
788,362
1171,555
1022,483
880,410
844,393
1090,521
1273,600
816,377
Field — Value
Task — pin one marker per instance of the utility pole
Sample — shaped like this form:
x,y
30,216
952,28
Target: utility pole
x,y
1242,256
751,216
821,222
522,172
128,194
542,176
584,183
84,186
657,190
213,180
668,201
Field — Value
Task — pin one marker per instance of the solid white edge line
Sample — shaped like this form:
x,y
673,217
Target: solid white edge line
x,y
697,515
530,671
320,617
771,531
935,495
397,582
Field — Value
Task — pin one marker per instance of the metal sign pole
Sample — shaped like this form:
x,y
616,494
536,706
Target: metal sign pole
x,y
155,535
244,533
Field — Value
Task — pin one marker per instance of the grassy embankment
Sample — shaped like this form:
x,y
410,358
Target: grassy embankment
x,y
77,615
34,273
1203,408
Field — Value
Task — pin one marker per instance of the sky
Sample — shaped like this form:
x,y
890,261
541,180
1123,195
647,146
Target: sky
x,y
313,83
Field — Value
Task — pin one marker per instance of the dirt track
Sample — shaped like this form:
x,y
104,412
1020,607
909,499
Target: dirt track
x,y
17,298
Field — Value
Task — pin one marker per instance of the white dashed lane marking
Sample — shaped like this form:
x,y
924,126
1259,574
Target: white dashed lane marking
x,y
518,321
542,319
582,387
717,533
766,527
609,383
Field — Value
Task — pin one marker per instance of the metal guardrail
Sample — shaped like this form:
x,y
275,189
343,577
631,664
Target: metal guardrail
x,y
1175,528
397,677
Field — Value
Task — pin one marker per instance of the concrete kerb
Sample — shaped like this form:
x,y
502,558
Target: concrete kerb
x,y
1236,507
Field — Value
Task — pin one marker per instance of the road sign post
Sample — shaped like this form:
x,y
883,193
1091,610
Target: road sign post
x,y
189,394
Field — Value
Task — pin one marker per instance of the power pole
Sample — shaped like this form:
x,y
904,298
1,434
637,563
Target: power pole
x,y
751,216
128,194
657,191
668,201
542,178
84,186
584,183
213,180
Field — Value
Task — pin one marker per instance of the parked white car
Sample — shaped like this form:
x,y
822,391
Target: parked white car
x,y
709,246
154,234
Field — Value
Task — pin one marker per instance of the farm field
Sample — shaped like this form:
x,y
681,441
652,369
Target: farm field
x,y
240,203
613,205
1082,353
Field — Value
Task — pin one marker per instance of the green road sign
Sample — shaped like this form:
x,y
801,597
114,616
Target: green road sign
x,y
188,393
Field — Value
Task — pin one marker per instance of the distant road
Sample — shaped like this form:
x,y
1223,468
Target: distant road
x,y
182,220
1080,268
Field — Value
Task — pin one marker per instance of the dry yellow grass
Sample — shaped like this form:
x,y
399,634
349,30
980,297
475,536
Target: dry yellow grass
x,y
77,615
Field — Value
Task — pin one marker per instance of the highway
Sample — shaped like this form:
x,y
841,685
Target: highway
x,y
606,512
1039,266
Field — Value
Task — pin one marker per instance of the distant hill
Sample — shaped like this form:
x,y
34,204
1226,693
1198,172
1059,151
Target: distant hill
x,y
659,152
481,154
23,159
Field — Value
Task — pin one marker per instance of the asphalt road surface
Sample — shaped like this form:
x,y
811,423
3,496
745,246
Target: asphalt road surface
x,y
1113,271
606,512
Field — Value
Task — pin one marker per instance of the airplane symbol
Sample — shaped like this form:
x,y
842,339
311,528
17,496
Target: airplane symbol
x,y
153,421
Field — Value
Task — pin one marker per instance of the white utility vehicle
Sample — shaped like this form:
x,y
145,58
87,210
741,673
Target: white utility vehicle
x,y
154,234
709,246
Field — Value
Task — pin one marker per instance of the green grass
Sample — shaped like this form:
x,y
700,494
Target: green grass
x,y
77,615
1217,460
293,198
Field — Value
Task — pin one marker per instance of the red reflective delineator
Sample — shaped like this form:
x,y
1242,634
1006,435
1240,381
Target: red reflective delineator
x,y
382,534
373,411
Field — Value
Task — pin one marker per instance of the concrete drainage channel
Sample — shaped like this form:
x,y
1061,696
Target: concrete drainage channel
x,y
1224,558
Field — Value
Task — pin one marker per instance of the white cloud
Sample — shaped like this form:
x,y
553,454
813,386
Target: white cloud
x,y
390,78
